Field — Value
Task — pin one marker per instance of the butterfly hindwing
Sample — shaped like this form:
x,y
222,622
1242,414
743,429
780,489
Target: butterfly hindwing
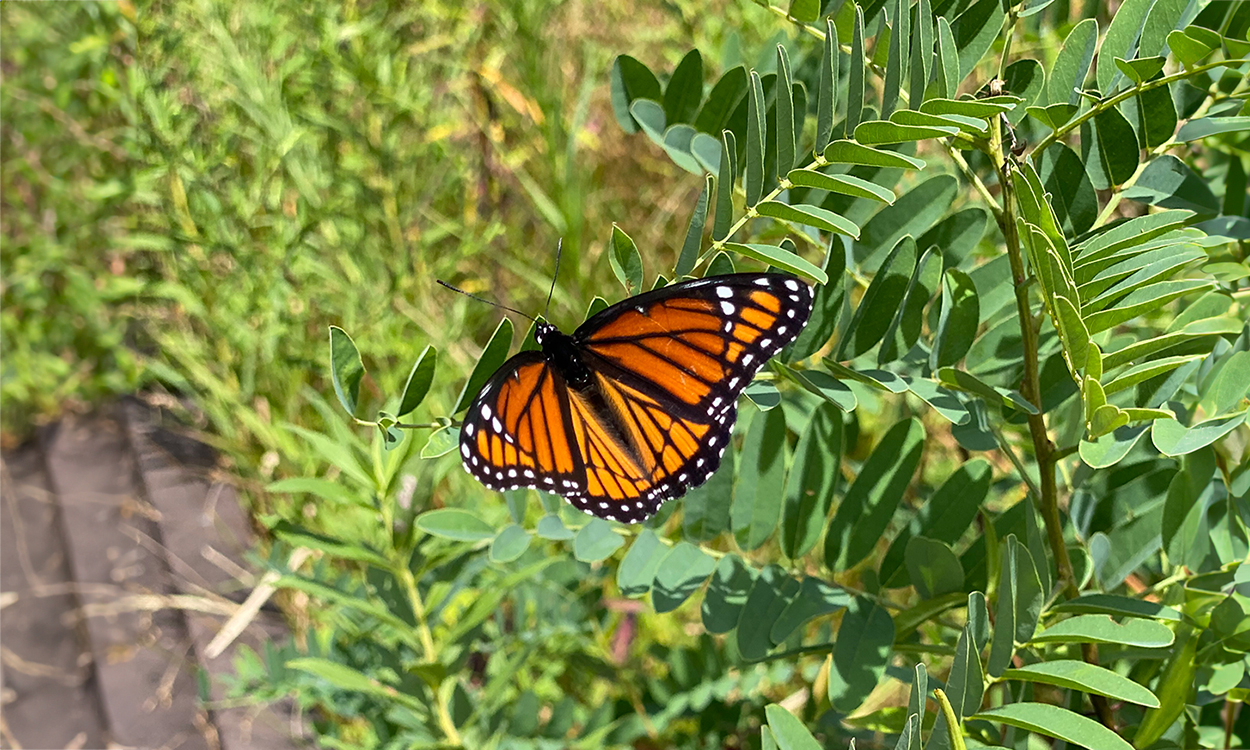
x,y
517,431
655,401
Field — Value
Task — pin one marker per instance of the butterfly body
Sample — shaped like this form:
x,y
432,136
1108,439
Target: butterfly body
x,y
637,405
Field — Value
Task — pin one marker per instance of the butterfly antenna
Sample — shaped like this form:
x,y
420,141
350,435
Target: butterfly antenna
x,y
480,299
556,275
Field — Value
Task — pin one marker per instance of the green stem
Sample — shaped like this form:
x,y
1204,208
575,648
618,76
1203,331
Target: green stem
x,y
404,574
1106,104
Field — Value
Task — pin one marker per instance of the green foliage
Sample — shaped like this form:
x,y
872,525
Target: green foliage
x,y
851,548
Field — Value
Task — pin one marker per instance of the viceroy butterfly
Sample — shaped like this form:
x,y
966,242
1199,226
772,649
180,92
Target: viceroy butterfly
x,y
637,405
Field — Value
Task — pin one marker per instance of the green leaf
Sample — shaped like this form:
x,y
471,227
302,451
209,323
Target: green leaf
x,y
908,319
812,216
827,387
1186,532
958,320
826,91
1167,182
1174,688
684,91
882,132
694,232
1054,116
596,541
975,31
895,51
1125,26
1145,371
346,368
322,488
785,113
725,187
969,383
1027,80
553,528
1174,439
1227,386
883,298
788,731
984,109
850,152
509,544
921,55
761,473
640,564
725,97
631,80
1110,151
947,83
814,599
1057,722
870,502
492,358
1142,69
726,594
441,442
933,567
770,595
755,141
419,381
1088,678
300,537
944,517
681,572
346,678
705,514
855,80
626,261
1152,297
915,212
860,653
1072,194
1067,77
1018,604
1191,45
966,683
843,184
944,401
811,482
1118,606
1156,116
1102,629
453,523
780,258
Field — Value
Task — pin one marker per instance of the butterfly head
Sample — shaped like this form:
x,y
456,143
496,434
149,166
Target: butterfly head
x,y
544,331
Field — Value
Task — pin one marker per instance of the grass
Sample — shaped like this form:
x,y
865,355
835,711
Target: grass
x,y
193,193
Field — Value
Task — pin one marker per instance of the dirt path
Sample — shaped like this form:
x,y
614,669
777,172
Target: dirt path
x,y
120,559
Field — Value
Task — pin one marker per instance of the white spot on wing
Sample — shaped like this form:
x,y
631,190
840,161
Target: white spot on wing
x,y
485,411
496,424
724,292
727,308
792,285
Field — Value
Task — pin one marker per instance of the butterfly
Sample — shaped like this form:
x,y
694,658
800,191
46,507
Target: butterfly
x,y
637,405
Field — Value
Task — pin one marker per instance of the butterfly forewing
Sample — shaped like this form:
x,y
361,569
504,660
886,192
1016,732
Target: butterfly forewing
x,y
654,416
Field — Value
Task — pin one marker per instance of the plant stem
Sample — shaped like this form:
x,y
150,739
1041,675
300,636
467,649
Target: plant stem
x,y
404,573
1043,449
1129,93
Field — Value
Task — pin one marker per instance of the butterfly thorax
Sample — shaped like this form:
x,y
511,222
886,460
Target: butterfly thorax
x,y
561,351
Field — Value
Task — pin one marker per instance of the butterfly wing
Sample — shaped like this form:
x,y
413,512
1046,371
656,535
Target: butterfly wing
x,y
668,367
695,346
517,432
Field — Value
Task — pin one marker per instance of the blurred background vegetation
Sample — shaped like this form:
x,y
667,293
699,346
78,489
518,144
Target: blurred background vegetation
x,y
194,191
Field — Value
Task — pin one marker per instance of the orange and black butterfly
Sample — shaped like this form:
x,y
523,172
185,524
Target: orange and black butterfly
x,y
637,406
